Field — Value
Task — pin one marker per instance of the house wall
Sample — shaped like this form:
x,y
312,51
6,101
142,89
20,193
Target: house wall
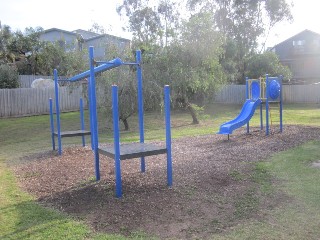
x,y
301,53
102,44
69,39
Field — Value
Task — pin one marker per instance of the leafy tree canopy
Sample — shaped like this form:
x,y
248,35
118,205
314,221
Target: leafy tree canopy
x,y
267,63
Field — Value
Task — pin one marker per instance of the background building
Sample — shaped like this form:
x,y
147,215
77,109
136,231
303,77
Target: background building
x,y
79,39
301,53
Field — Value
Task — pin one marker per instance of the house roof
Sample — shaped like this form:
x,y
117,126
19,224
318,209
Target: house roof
x,y
107,35
294,36
59,30
87,35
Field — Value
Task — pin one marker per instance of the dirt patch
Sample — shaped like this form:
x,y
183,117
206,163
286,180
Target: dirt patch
x,y
316,164
214,186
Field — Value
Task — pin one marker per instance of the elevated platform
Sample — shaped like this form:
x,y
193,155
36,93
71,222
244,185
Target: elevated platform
x,y
133,150
73,133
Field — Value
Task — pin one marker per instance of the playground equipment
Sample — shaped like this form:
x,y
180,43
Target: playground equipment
x,y
258,92
123,151
59,134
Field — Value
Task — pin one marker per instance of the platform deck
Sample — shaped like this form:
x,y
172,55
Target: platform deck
x,y
133,150
73,133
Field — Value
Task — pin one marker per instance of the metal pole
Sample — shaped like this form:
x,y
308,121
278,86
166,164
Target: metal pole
x,y
82,121
247,97
281,78
94,113
52,124
140,105
109,65
267,104
56,91
116,136
168,134
261,116
90,113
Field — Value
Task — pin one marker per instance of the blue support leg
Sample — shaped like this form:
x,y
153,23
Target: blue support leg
x,y
94,113
168,134
82,121
247,97
261,117
267,105
140,105
56,90
281,104
52,124
116,141
90,113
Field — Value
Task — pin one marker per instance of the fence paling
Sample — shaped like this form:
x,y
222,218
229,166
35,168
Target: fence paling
x,y
29,101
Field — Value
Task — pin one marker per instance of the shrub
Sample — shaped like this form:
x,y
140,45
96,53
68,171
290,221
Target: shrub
x,y
9,77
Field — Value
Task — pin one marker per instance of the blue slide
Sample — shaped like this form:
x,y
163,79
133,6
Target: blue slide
x,y
244,117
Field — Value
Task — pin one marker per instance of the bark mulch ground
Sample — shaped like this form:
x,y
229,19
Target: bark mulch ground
x,y
213,189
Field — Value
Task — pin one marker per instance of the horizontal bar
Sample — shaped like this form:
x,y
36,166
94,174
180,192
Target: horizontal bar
x,y
109,65
128,63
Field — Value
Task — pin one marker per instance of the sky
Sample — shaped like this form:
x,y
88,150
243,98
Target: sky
x,y
71,15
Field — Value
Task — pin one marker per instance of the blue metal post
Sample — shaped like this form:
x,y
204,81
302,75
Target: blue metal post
x,y
168,133
82,121
52,124
140,104
261,117
280,80
267,104
90,113
56,91
94,113
116,141
247,88
247,97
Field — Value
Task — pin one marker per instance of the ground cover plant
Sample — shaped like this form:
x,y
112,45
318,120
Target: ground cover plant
x,y
233,189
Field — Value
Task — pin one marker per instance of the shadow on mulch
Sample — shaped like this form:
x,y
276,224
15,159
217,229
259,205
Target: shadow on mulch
x,y
214,187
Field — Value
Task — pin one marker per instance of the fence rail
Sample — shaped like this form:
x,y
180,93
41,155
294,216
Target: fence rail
x,y
31,101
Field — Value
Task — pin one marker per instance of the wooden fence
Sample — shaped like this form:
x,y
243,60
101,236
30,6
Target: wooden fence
x,y
291,94
31,101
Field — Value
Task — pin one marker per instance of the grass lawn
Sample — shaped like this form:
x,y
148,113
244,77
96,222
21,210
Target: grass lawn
x,y
22,218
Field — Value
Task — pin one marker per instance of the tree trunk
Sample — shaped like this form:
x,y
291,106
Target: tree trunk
x,y
126,124
193,114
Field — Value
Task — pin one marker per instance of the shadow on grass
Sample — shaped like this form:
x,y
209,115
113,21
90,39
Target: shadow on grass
x,y
27,220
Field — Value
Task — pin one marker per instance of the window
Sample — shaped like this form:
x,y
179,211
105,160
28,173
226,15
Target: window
x,y
298,42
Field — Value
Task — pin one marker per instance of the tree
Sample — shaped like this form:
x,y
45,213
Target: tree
x,y
26,47
266,63
184,55
9,77
6,36
242,22
53,56
125,78
190,64
151,25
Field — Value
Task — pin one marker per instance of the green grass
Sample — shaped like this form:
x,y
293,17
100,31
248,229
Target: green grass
x,y
299,214
22,218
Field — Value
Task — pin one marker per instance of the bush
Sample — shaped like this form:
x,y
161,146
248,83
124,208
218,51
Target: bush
x,y
9,77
